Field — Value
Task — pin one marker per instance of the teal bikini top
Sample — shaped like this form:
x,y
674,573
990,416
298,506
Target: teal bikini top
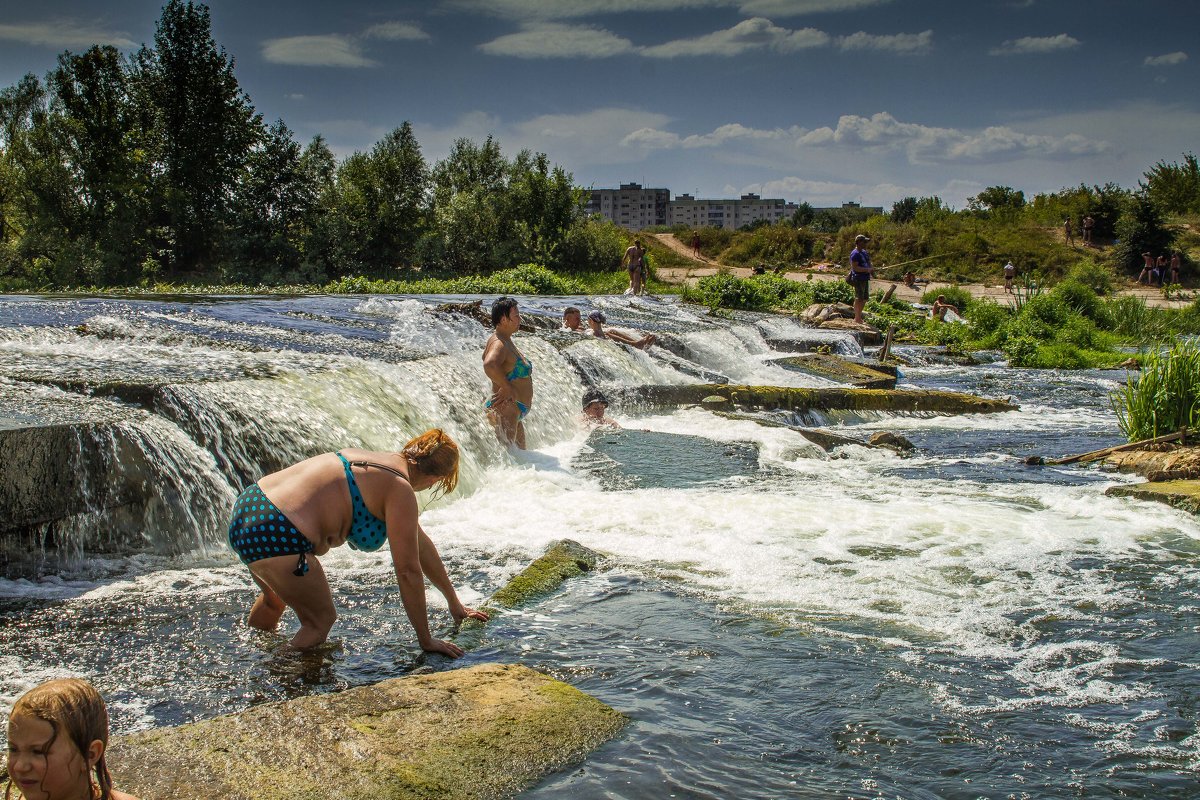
x,y
367,531
522,369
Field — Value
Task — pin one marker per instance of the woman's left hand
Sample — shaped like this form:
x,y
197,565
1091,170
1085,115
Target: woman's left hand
x,y
461,612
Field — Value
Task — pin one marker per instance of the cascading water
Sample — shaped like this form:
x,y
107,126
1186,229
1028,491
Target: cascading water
x,y
778,621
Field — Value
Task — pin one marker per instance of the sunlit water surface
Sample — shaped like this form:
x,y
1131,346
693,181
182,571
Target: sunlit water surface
x,y
775,621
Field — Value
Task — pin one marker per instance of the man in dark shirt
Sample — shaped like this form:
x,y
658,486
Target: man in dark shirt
x,y
860,274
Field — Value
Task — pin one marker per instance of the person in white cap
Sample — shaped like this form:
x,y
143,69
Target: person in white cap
x,y
1010,272
860,274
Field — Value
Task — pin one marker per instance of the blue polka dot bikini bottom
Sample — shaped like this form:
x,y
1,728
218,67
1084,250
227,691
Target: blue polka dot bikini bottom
x,y
259,530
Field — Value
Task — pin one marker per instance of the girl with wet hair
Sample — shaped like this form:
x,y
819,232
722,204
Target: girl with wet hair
x,y
57,742
361,498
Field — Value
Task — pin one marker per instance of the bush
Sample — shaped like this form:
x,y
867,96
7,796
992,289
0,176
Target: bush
x,y
1021,351
1079,298
954,295
1092,275
591,245
723,290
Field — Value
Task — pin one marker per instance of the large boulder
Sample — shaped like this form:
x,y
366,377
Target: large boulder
x,y
486,731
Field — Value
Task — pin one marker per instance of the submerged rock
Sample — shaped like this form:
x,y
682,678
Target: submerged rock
x,y
482,732
891,441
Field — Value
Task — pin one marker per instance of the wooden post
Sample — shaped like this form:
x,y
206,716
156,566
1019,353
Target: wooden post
x,y
887,342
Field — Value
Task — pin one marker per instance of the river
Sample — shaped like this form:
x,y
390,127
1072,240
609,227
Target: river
x,y
776,621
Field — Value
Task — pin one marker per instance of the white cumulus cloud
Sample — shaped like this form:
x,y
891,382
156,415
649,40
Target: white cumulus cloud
x,y
396,32
1166,60
64,33
925,144
330,50
900,43
556,40
1036,45
751,34
576,9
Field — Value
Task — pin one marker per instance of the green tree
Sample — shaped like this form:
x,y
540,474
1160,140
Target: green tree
x,y
1140,229
276,209
1174,188
904,210
98,134
543,204
468,208
804,215
205,126
1002,201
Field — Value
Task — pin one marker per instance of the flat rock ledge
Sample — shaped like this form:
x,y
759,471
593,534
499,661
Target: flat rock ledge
x,y
487,731
825,399
1184,494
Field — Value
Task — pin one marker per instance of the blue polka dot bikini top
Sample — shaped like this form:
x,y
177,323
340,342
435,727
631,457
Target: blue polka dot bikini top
x,y
367,531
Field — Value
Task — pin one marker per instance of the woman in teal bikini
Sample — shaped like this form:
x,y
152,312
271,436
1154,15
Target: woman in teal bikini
x,y
356,497
511,375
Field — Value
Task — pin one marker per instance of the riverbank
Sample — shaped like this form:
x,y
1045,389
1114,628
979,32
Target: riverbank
x,y
703,266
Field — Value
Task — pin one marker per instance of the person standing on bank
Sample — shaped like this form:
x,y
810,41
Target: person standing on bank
x,y
1010,272
362,498
511,375
860,274
634,260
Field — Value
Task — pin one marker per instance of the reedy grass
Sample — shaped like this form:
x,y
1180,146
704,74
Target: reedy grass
x,y
1166,396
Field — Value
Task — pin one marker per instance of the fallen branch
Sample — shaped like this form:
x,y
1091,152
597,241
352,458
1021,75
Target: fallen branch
x,y
1097,454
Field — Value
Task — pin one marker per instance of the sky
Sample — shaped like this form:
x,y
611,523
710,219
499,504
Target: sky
x,y
818,101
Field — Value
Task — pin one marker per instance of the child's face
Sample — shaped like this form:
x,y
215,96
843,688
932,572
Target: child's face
x,y
57,772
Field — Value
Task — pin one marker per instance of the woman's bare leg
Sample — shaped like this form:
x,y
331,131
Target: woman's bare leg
x,y
308,595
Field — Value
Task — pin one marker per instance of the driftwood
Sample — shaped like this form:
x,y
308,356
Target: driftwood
x,y
1098,454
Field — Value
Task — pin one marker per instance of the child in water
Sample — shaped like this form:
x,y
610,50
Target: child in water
x,y
57,736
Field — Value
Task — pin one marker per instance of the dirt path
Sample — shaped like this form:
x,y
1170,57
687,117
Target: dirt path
x,y
832,272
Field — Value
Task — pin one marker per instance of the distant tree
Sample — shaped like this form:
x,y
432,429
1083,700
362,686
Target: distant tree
x,y
468,189
931,210
998,200
904,210
205,125
276,208
1140,229
1174,187
100,138
543,204
804,215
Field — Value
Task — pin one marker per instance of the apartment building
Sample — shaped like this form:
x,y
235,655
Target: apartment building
x,y
731,214
631,206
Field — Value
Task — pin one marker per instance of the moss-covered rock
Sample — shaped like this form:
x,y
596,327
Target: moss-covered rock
x,y
483,732
562,560
825,399
1180,494
836,368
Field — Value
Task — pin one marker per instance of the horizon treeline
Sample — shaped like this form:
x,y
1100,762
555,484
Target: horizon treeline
x,y
120,170
117,171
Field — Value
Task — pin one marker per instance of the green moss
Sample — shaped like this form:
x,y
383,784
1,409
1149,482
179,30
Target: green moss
x,y
563,560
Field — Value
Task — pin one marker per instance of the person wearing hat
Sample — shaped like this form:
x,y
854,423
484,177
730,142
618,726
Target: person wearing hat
x,y
860,274
1010,272
594,406
596,321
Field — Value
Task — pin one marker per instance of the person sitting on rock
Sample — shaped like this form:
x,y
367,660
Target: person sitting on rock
x,y
940,307
594,406
596,320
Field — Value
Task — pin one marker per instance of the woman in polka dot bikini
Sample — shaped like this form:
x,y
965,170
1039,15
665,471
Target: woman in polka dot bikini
x,y
355,497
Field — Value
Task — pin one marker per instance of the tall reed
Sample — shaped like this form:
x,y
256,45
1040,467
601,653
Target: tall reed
x,y
1165,397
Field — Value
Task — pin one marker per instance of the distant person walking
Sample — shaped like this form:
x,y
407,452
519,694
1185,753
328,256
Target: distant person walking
x,y
1068,236
1088,225
695,244
635,261
860,274
1010,272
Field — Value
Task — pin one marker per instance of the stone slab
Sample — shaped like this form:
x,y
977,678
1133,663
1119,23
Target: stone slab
x,y
1183,494
487,731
